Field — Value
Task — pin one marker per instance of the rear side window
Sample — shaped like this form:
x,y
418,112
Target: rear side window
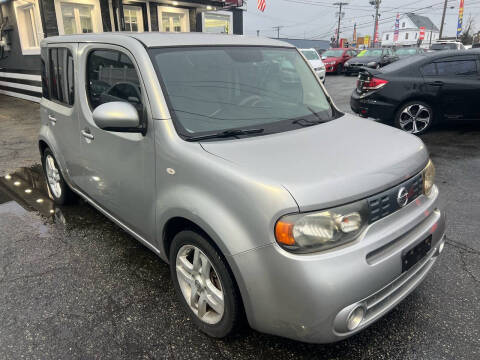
x,y
450,68
111,76
61,75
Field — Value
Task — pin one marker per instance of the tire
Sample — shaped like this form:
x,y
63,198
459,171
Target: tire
x,y
58,189
415,117
186,246
339,69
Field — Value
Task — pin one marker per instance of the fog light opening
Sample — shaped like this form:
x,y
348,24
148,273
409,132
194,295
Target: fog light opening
x,y
355,318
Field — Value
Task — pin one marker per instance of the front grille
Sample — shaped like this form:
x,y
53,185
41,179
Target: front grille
x,y
385,203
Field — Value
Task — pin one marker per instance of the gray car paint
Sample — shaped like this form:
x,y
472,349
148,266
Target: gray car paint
x,y
236,190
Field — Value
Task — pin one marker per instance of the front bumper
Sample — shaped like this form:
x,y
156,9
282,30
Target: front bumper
x,y
306,297
321,74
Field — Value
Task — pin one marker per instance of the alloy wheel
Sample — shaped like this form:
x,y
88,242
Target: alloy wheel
x,y
53,176
415,118
200,284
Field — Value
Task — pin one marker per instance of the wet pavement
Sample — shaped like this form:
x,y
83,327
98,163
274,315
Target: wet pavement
x,y
74,285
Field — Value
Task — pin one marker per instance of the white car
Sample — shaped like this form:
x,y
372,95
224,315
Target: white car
x,y
315,61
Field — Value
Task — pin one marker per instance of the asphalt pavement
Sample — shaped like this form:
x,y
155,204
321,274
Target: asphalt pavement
x,y
75,286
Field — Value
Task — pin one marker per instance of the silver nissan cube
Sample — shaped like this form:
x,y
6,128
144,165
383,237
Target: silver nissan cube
x,y
226,157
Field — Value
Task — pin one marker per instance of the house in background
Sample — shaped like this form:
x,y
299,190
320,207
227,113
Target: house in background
x,y
409,31
24,23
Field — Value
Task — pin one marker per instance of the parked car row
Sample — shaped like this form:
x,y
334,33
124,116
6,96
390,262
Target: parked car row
x,y
416,92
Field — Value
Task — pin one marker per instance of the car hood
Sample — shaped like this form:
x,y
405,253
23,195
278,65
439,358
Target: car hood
x,y
331,58
364,59
329,164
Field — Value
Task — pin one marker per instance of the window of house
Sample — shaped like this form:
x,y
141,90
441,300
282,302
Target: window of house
x,y
172,19
387,36
403,24
29,26
78,16
111,76
61,75
133,18
406,36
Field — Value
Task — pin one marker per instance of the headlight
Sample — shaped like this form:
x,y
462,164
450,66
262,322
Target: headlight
x,y
346,64
317,231
372,64
320,68
428,178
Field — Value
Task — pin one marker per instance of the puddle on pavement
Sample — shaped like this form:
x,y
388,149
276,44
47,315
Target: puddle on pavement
x,y
25,190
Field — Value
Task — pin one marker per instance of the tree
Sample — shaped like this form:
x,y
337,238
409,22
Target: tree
x,y
467,34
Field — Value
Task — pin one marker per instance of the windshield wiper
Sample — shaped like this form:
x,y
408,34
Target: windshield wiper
x,y
225,134
308,122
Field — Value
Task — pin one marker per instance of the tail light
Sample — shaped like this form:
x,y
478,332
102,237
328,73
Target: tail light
x,y
373,84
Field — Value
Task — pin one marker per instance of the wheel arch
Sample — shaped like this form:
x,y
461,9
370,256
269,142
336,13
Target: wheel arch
x,y
176,224
429,100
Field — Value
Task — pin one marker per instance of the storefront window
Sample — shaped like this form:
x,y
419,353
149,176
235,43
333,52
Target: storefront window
x,y
173,19
78,16
29,26
216,22
133,18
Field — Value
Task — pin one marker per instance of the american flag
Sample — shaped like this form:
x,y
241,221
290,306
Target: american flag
x,y
261,5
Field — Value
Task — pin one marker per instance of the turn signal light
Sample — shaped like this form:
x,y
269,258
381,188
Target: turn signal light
x,y
284,233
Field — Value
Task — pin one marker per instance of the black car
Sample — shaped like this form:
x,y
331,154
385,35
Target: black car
x,y
373,58
418,91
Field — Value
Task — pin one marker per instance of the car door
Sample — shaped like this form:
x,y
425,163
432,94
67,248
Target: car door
x,y
118,167
59,104
455,79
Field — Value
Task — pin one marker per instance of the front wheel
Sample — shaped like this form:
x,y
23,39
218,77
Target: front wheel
x,y
415,117
58,188
204,284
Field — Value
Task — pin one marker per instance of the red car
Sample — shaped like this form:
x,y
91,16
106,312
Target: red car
x,y
335,58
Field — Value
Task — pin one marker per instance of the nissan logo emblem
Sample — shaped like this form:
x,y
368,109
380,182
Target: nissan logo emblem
x,y
402,197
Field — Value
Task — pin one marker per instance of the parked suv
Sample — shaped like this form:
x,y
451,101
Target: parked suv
x,y
225,156
315,61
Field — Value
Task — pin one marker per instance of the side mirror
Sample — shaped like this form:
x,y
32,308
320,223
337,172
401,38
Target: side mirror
x,y
117,116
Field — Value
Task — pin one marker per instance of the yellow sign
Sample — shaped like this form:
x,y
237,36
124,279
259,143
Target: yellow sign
x,y
366,40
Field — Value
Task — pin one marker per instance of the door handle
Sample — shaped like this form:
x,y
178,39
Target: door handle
x,y
52,119
87,134
436,83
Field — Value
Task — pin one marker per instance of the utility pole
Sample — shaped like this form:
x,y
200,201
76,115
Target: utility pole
x,y
443,19
278,30
375,3
339,4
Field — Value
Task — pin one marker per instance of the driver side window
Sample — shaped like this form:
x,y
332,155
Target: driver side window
x,y
111,76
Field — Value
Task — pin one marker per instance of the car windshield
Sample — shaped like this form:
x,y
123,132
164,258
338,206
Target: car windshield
x,y
372,52
333,53
310,54
406,51
212,89
446,46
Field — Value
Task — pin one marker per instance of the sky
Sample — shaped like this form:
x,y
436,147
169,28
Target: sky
x,y
317,19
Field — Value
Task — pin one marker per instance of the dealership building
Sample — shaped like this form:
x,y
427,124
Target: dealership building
x,y
24,23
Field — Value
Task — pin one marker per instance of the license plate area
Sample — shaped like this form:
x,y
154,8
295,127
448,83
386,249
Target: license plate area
x,y
413,255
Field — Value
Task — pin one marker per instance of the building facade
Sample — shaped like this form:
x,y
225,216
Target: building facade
x,y
409,32
24,23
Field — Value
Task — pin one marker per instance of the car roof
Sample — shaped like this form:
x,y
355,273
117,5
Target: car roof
x,y
448,53
159,39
